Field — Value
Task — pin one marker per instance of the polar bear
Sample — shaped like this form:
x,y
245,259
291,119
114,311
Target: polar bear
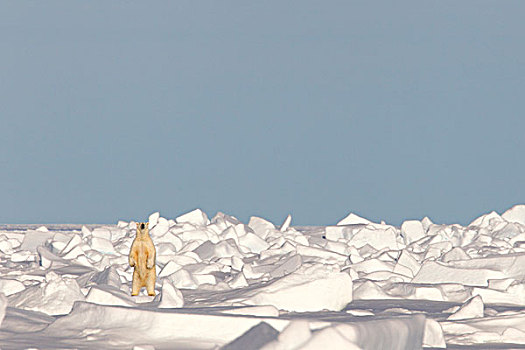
x,y
142,257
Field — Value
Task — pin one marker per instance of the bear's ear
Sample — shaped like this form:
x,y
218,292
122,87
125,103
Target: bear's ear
x,y
138,224
147,224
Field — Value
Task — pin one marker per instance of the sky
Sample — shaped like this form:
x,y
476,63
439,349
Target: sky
x,y
391,110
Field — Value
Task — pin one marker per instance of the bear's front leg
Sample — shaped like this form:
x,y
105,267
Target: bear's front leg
x,y
132,259
150,262
135,286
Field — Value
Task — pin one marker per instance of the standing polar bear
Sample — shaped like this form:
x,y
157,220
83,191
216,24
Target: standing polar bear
x,y
142,257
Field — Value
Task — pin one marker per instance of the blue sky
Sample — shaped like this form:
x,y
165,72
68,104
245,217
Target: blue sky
x,y
394,111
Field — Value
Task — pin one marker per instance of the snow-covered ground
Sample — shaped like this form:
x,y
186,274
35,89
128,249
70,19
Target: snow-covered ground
x,y
226,284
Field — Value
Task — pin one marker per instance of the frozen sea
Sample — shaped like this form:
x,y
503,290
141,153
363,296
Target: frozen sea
x,y
227,284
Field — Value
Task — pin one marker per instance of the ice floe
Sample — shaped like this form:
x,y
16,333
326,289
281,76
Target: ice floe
x,y
222,282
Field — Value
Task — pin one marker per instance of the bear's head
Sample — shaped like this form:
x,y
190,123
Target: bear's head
x,y
142,229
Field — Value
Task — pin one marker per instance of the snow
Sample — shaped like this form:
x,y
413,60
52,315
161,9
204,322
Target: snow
x,y
224,283
3,306
54,296
433,335
311,288
105,295
171,297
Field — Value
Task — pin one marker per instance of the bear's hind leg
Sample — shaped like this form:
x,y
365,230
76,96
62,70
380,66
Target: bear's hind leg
x,y
150,283
136,285
150,287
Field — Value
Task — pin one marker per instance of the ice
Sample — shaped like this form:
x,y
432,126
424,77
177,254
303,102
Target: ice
x,y
369,291
59,242
487,220
329,338
513,295
73,241
47,259
262,311
510,265
194,236
101,232
85,231
54,296
169,268
337,247
501,284
322,254
255,338
33,239
3,306
223,249
173,239
204,279
289,265
378,238
335,233
433,335
239,281
455,253
171,297
412,230
253,243
153,219
293,336
426,222
358,284
472,308
182,279
515,214
311,288
107,295
230,233
401,333
498,329
125,325
260,226
353,219
407,264
102,245
22,256
108,277
161,228
195,217
10,286
436,273
143,347
286,223
6,247
372,265
74,253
